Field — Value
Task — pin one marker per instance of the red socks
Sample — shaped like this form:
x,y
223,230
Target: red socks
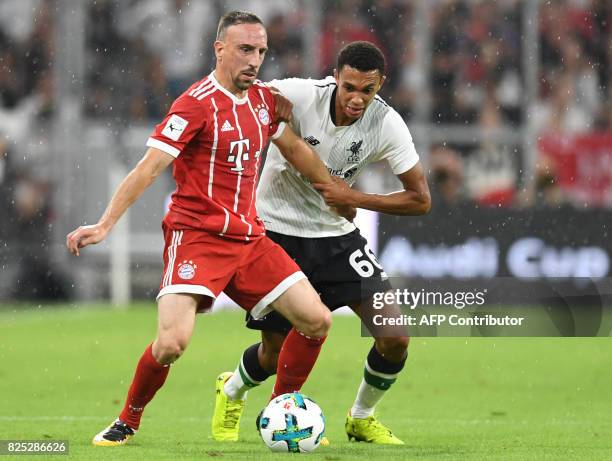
x,y
149,377
295,361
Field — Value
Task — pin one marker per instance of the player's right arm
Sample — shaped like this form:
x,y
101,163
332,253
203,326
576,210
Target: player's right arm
x,y
131,188
184,119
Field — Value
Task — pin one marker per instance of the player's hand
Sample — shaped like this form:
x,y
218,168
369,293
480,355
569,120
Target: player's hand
x,y
337,194
347,212
284,107
85,235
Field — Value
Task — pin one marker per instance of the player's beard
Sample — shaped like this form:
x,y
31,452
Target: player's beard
x,y
242,84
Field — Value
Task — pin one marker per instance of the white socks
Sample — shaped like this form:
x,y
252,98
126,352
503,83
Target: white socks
x,y
367,398
235,388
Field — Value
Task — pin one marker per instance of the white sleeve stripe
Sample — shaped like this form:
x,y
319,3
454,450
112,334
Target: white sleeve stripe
x,y
167,148
204,84
192,92
208,93
204,89
279,130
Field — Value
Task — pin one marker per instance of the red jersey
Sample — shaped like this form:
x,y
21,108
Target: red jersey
x,y
217,140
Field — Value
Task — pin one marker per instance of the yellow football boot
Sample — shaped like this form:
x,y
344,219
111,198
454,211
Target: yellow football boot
x,y
226,417
370,430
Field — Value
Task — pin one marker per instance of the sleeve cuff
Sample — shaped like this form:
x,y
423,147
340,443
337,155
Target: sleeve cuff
x,y
405,166
167,148
279,130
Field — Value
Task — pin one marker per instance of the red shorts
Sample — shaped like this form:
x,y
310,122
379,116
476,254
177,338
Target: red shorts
x,y
252,273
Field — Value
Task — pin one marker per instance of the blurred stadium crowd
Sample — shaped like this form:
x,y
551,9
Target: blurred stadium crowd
x,y
140,54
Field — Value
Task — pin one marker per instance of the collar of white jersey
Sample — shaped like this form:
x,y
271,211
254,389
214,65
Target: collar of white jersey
x,y
226,91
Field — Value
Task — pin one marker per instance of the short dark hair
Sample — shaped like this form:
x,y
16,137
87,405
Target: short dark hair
x,y
235,17
363,56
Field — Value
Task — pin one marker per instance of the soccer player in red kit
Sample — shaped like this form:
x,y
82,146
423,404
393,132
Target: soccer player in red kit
x,y
215,133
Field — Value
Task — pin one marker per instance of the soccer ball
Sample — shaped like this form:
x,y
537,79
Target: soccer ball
x,y
291,423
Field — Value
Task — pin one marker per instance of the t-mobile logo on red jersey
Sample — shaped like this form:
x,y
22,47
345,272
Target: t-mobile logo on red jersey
x,y
242,154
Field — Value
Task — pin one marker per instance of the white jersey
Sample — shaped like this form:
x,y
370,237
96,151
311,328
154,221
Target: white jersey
x,y
286,202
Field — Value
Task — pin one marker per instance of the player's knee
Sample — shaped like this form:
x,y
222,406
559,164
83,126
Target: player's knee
x,y
172,351
325,321
393,348
169,350
318,325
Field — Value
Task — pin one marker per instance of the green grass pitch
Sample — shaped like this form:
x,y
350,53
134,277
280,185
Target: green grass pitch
x,y
64,373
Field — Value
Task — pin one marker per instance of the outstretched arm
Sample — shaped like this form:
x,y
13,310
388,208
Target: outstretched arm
x,y
413,200
131,188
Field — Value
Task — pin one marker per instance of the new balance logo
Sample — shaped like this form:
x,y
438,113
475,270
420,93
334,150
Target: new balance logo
x,y
312,140
227,126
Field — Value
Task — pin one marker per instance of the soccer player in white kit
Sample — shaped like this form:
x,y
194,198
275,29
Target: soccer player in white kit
x,y
348,126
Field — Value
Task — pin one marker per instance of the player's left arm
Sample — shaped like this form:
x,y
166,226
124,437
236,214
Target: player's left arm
x,y
412,201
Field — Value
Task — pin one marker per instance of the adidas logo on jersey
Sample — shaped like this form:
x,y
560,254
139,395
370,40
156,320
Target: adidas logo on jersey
x,y
227,126
312,140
